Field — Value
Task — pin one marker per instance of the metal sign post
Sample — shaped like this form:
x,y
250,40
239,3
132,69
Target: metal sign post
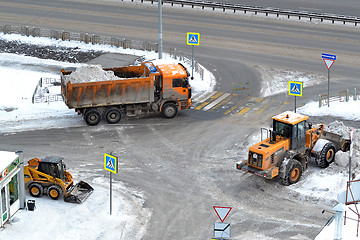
x,y
222,230
192,39
295,89
329,60
111,165
160,28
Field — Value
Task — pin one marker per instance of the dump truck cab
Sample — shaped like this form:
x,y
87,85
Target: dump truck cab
x,y
175,85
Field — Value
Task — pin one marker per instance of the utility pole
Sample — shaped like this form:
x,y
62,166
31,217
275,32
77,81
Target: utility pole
x,y
160,28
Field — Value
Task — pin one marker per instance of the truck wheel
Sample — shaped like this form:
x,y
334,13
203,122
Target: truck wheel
x,y
113,115
54,192
169,110
293,171
36,190
92,117
327,155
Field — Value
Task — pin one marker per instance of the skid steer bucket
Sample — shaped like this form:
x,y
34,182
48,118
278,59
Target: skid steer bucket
x,y
79,193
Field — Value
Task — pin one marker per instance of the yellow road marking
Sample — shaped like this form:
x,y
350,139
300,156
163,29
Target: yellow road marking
x,y
263,108
226,100
207,102
244,110
231,109
259,100
286,103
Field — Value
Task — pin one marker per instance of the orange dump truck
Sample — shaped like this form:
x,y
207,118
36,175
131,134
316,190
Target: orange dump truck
x,y
131,91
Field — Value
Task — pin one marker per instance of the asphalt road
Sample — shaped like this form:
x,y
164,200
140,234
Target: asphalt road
x,y
184,166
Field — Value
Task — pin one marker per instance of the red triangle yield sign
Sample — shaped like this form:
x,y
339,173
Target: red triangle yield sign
x,y
222,212
328,63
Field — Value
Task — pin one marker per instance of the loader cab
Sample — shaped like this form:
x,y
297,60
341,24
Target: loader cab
x,y
53,166
291,125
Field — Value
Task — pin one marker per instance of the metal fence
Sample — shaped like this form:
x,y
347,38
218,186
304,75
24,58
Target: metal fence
x,y
88,38
343,96
268,11
187,59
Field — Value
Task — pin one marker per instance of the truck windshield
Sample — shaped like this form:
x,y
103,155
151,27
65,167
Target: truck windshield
x,y
185,82
282,129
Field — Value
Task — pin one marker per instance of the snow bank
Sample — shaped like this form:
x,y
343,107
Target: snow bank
x,y
90,73
355,148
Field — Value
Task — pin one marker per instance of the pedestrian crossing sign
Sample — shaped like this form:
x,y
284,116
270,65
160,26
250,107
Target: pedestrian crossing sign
x,y
110,163
295,88
193,38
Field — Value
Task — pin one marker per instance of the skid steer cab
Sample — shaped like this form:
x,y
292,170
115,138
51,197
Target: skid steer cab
x,y
50,176
284,154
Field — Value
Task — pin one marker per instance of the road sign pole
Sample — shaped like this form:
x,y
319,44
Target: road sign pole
x,y
110,192
328,87
295,104
192,62
160,28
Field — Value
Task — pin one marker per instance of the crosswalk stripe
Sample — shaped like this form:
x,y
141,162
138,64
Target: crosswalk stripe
x,y
231,109
226,100
263,108
259,100
225,95
203,96
209,100
244,110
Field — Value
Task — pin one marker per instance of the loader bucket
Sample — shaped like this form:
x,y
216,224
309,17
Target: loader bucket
x,y
79,193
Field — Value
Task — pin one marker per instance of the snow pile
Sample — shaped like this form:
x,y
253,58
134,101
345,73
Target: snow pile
x,y
339,128
342,158
90,73
345,110
324,184
355,148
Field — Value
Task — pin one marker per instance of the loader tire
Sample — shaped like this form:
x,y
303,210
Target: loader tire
x,y
36,190
113,115
169,110
92,117
327,155
54,192
293,171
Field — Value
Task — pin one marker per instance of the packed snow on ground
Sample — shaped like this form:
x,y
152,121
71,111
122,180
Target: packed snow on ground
x,y
89,220
272,76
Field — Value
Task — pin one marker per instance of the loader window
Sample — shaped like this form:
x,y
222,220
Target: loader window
x,y
282,129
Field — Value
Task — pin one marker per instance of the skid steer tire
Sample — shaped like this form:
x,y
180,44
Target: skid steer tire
x,y
169,110
36,190
292,172
54,192
92,117
327,155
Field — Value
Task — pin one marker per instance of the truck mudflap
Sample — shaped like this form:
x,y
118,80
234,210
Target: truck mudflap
x,y
78,193
268,173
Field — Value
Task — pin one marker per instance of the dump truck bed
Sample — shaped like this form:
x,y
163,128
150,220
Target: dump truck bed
x,y
134,85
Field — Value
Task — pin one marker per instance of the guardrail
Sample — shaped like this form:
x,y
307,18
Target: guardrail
x,y
265,10
343,96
